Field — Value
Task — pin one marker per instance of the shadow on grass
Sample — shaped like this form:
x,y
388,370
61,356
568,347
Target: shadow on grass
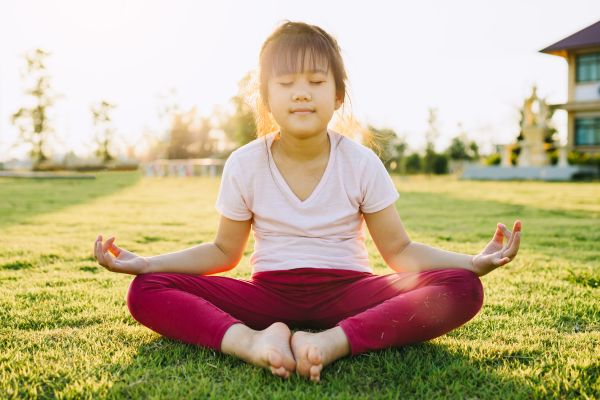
x,y
23,199
166,368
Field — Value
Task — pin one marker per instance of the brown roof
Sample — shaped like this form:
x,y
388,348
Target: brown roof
x,y
587,37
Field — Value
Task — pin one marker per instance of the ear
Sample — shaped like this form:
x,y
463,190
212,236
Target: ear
x,y
338,102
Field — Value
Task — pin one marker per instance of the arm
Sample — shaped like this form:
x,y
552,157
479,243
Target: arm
x,y
208,258
401,254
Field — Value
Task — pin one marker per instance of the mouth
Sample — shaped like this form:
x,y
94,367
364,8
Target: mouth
x,y
302,111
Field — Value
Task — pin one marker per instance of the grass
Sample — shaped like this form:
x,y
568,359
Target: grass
x,y
65,330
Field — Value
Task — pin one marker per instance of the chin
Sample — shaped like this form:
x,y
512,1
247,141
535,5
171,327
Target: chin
x,y
303,131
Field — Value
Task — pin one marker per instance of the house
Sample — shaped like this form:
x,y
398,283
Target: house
x,y
582,52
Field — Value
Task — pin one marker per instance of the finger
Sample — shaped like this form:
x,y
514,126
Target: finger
x,y
498,235
107,244
505,231
114,249
514,247
99,255
517,226
98,240
96,247
509,243
502,261
111,262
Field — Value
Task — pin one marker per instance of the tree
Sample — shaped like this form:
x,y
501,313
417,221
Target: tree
x,y
431,135
190,136
389,147
104,129
413,163
32,121
461,149
241,126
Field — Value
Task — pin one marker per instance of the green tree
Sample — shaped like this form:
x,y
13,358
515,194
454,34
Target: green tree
x,y
461,149
241,126
32,121
431,135
104,129
413,164
389,147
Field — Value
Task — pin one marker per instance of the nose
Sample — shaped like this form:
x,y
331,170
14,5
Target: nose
x,y
301,95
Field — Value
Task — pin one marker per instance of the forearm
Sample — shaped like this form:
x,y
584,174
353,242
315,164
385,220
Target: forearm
x,y
419,257
203,259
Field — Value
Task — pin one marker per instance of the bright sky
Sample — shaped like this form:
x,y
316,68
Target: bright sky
x,y
475,61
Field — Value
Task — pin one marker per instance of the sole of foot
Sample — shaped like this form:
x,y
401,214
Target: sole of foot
x,y
308,354
270,348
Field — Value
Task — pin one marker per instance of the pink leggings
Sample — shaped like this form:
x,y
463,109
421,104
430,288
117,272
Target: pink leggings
x,y
374,311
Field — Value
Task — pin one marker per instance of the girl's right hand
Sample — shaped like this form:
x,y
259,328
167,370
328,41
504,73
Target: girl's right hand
x,y
116,259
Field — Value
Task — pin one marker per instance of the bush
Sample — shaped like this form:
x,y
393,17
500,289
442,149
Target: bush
x,y
578,158
493,159
413,164
440,164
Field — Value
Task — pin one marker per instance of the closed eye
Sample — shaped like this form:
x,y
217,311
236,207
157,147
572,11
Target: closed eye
x,y
285,83
318,82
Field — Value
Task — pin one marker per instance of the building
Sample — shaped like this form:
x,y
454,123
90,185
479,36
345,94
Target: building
x,y
582,52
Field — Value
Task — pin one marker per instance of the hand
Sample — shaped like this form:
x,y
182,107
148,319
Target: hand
x,y
116,259
495,254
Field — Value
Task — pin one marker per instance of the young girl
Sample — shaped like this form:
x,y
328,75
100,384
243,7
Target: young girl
x,y
306,192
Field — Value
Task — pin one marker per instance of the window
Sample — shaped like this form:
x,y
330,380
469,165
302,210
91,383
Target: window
x,y
587,131
588,67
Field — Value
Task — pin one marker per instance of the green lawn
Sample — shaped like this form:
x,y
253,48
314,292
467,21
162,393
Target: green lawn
x,y
65,330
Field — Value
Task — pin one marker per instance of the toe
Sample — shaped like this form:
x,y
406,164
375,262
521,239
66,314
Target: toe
x,y
282,372
315,373
314,356
274,359
289,363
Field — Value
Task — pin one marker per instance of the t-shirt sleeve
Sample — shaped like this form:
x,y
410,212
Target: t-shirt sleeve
x,y
230,201
378,189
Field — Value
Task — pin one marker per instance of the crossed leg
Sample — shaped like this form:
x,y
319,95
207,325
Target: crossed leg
x,y
389,311
246,319
217,312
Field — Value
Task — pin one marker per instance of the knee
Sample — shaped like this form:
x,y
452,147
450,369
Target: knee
x,y
469,289
138,291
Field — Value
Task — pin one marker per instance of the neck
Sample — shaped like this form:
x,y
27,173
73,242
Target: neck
x,y
303,149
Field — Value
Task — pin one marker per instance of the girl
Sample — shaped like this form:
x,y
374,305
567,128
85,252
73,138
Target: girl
x,y
306,192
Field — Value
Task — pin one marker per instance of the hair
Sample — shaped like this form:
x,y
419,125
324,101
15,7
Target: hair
x,y
285,51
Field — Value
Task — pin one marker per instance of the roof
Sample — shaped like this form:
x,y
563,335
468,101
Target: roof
x,y
587,37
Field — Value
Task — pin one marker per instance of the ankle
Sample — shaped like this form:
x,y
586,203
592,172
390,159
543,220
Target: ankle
x,y
237,340
340,346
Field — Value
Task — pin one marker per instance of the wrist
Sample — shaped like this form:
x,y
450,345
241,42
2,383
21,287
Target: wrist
x,y
147,265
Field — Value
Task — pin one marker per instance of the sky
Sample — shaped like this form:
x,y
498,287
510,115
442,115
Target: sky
x,y
474,61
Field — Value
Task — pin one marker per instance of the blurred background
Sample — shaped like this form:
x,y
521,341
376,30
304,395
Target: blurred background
x,y
112,84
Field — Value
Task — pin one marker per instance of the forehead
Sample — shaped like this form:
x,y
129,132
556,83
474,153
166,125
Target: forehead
x,y
308,60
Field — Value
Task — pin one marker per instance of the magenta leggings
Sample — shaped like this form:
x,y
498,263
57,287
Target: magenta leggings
x,y
374,311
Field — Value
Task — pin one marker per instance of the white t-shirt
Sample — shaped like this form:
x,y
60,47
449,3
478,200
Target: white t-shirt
x,y
327,229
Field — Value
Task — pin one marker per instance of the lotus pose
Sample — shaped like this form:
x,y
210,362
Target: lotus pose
x,y
306,192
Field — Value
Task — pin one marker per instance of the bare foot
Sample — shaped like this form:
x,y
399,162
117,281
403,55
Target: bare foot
x,y
313,351
269,348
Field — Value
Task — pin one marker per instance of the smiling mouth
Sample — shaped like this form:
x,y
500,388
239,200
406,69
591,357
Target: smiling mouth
x,y
302,112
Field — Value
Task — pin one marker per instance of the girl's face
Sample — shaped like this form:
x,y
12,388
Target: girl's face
x,y
303,103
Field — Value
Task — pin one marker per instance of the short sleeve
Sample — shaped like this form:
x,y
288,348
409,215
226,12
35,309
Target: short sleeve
x,y
377,187
230,201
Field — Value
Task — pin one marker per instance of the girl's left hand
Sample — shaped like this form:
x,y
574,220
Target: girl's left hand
x,y
495,254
